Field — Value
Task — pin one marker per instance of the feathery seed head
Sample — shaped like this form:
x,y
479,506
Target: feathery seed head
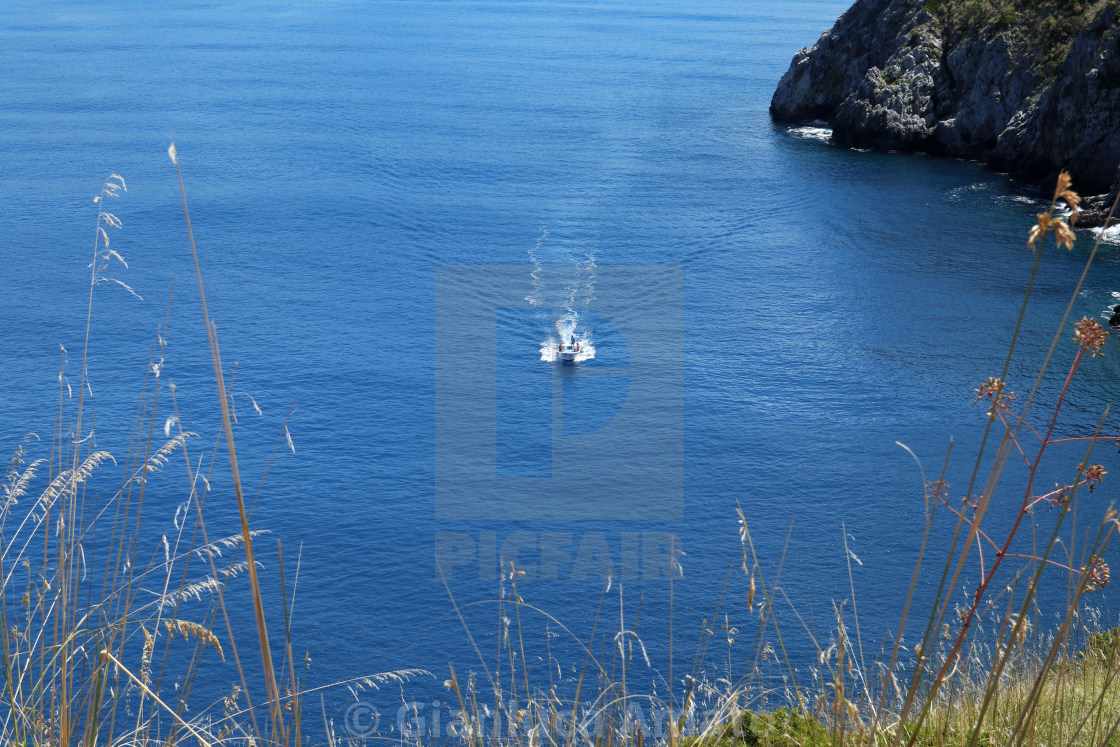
x,y
1063,193
1063,234
146,656
1094,475
1089,334
993,390
1065,181
1038,230
1073,200
1098,575
939,489
187,629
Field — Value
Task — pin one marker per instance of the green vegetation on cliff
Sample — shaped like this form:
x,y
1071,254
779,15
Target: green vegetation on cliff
x,y
1042,30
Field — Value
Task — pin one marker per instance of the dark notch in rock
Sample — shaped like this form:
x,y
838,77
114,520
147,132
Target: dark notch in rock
x,y
1028,86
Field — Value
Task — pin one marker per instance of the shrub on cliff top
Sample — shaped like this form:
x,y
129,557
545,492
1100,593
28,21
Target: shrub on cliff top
x,y
1041,30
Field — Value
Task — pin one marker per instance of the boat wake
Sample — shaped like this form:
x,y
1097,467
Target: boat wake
x,y
573,277
567,329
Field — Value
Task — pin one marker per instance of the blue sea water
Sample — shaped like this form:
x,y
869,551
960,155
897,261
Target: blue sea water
x,y
828,304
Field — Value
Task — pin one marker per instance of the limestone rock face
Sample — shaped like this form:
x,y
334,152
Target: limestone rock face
x,y
818,80
1031,95
1076,121
893,106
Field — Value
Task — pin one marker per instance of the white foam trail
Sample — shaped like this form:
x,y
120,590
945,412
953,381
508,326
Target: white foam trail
x,y
578,296
958,193
537,294
820,134
1110,236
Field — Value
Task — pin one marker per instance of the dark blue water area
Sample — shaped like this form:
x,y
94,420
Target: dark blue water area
x,y
832,303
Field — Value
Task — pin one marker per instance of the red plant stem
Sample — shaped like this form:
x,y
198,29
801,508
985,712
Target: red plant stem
x,y
966,621
1024,423
1047,497
1014,440
979,532
1048,561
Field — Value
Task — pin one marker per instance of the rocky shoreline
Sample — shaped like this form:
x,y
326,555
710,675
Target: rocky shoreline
x,y
1030,88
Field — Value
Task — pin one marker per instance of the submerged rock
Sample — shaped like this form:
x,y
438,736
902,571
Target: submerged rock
x,y
1028,87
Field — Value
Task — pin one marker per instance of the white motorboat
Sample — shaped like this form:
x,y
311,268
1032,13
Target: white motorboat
x,y
568,353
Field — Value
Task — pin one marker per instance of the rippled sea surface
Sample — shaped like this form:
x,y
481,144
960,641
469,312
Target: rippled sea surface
x,y
793,310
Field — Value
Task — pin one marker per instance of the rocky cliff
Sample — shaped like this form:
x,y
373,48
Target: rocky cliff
x,y
1029,86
